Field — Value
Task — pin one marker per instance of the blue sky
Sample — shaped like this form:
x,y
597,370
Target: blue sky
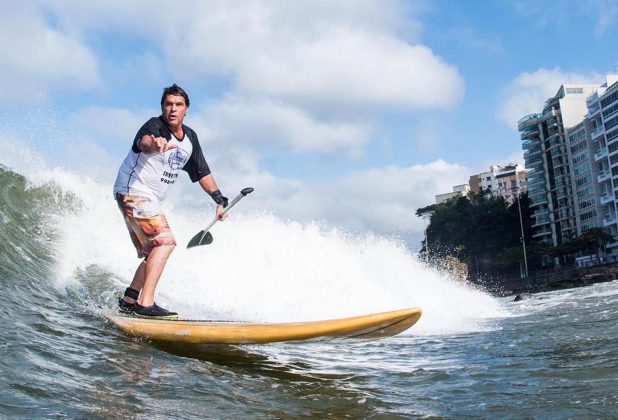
x,y
352,112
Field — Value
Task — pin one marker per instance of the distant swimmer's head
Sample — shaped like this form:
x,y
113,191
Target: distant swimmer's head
x,y
174,105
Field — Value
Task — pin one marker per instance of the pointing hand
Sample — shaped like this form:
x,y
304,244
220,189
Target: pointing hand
x,y
159,144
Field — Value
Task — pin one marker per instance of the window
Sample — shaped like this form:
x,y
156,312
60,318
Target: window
x,y
579,146
590,226
574,90
609,99
581,169
581,157
588,215
611,123
573,137
586,203
586,191
610,111
582,181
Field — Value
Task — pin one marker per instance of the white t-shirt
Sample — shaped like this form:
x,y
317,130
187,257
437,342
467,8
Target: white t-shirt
x,y
150,174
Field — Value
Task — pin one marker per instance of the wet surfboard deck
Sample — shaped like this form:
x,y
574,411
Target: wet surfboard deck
x,y
373,326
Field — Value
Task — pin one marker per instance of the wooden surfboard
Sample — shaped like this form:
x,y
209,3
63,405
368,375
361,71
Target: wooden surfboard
x,y
372,326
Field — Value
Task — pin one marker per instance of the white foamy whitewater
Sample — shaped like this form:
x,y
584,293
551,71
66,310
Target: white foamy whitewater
x,y
262,268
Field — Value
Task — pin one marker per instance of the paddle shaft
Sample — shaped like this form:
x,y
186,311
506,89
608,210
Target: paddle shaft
x,y
225,210
231,204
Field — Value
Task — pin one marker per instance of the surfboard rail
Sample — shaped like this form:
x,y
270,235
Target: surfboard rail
x,y
372,326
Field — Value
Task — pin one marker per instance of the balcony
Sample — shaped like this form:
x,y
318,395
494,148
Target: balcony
x,y
610,220
538,202
607,198
536,165
592,111
600,154
540,213
537,185
550,111
561,193
611,114
540,221
529,120
532,153
542,232
610,90
593,104
597,132
531,145
537,193
531,133
603,176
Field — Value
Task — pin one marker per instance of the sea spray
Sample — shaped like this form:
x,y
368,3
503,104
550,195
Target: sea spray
x,y
260,267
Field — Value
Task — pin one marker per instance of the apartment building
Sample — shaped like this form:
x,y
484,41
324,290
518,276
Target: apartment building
x,y
505,181
501,181
584,175
458,191
602,120
550,139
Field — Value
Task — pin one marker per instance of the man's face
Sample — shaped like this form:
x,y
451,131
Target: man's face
x,y
174,110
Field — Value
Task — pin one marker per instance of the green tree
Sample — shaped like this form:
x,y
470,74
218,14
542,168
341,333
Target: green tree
x,y
476,230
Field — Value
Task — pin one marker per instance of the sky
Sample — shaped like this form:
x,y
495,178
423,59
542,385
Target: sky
x,y
351,112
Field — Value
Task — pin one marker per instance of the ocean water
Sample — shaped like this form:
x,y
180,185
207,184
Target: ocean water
x,y
554,355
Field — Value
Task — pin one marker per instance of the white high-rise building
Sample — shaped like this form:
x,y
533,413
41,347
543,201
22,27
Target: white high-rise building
x,y
549,142
602,120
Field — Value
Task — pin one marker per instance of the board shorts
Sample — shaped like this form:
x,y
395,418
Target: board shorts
x,y
146,223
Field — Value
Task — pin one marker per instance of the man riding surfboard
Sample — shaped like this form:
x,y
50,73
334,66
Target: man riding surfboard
x,y
162,147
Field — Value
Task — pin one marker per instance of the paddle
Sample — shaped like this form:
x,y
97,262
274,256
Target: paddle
x,y
204,237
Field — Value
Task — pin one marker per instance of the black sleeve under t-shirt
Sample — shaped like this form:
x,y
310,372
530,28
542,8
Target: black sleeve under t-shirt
x,y
196,167
154,126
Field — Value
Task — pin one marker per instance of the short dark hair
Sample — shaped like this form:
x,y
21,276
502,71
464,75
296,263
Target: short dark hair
x,y
176,91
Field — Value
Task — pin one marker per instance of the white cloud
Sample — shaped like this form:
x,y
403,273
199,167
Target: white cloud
x,y
385,199
259,123
345,68
381,199
307,77
528,91
320,54
35,57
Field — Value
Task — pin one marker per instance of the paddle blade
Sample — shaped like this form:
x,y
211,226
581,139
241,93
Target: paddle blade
x,y
202,238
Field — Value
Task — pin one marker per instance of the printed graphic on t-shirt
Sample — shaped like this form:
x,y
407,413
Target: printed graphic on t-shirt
x,y
177,159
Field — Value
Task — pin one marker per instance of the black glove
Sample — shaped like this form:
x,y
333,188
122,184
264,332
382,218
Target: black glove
x,y
219,198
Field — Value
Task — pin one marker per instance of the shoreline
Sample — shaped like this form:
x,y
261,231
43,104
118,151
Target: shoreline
x,y
558,280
